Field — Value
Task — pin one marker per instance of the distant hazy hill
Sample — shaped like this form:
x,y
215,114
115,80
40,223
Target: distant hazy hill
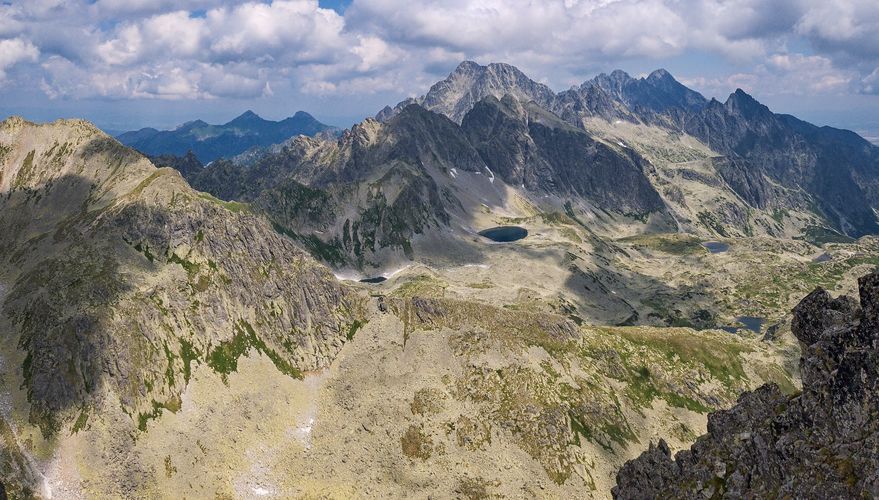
x,y
209,142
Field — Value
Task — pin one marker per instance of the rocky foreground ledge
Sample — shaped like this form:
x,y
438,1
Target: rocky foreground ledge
x,y
822,443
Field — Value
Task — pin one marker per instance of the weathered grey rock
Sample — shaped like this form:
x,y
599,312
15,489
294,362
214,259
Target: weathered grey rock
x,y
123,279
822,443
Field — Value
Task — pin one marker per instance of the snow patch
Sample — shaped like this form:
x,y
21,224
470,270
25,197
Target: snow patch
x,y
480,266
454,173
303,432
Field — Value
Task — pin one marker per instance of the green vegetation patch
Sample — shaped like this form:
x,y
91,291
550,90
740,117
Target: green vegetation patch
x,y
332,253
191,267
682,359
188,354
26,173
224,358
818,236
676,244
352,330
81,421
232,206
145,250
172,405
423,285
710,221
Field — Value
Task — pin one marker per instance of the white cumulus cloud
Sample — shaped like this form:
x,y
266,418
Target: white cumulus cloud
x,y
14,51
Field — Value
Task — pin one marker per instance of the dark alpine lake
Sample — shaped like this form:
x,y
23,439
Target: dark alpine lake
x,y
715,246
377,279
505,234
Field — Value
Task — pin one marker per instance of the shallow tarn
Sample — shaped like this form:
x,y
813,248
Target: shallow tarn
x,y
716,246
753,323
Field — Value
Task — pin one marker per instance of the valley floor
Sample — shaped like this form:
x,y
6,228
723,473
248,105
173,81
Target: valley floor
x,y
450,390
408,408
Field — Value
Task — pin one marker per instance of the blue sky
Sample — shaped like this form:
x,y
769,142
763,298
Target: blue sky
x,y
126,64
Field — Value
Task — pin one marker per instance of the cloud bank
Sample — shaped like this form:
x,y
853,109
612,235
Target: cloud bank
x,y
210,49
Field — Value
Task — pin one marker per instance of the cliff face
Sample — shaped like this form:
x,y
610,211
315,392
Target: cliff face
x,y
122,278
531,147
822,443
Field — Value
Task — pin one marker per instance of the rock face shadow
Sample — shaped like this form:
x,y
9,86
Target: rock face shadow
x,y
771,444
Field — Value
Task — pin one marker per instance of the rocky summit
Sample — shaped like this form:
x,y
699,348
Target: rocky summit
x,y
819,443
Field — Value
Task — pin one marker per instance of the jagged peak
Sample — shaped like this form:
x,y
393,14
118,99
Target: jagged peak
x,y
302,115
744,101
466,67
617,78
660,74
14,121
246,117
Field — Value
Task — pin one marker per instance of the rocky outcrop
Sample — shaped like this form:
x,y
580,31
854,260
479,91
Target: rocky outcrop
x,y
821,443
470,83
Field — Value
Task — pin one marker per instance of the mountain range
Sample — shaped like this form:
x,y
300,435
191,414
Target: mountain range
x,y
294,311
639,149
761,151
210,142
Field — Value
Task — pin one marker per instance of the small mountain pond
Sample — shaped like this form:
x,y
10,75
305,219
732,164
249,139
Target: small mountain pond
x,y
715,246
752,323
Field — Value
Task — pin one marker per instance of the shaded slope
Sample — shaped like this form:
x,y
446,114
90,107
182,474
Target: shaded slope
x,y
382,184
529,146
122,277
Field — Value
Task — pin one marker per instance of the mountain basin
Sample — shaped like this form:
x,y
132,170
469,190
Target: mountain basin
x,y
716,246
504,234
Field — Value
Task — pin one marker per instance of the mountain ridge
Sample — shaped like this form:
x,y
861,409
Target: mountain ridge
x,y
783,151
122,277
210,142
